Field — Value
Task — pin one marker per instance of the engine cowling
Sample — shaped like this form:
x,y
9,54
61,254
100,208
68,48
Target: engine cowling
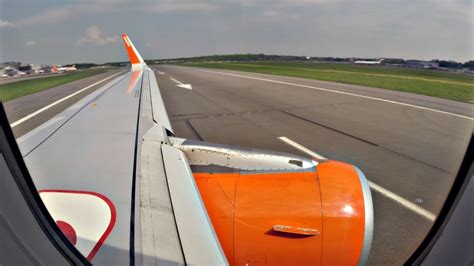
x,y
288,218
271,208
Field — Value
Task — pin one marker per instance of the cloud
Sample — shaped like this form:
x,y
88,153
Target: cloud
x,y
67,12
50,16
271,13
78,10
30,43
73,11
365,28
95,35
6,24
166,6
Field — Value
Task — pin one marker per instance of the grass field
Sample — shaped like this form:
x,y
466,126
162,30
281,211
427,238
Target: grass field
x,y
453,86
20,88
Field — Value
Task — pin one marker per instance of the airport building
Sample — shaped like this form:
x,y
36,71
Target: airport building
x,y
33,69
9,72
12,69
10,64
421,64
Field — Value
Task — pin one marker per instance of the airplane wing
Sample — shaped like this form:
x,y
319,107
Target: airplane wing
x,y
123,189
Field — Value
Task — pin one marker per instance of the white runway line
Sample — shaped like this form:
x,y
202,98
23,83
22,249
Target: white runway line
x,y
386,193
335,91
182,85
177,81
301,148
405,203
21,120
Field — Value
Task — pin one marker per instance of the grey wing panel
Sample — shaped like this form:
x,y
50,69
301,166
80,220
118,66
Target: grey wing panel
x,y
160,243
35,137
28,234
181,229
198,239
160,116
90,150
160,240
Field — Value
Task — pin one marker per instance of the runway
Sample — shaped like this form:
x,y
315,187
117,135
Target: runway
x,y
408,145
22,107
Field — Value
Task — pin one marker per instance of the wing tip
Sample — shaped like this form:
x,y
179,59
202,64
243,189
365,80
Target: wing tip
x,y
124,36
133,54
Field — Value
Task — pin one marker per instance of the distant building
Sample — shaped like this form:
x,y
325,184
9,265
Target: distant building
x,y
45,69
421,64
10,64
10,71
27,69
37,69
468,70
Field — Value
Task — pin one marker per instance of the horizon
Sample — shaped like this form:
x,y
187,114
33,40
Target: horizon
x,y
58,32
230,54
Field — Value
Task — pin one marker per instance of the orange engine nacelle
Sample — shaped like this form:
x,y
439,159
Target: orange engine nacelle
x,y
289,218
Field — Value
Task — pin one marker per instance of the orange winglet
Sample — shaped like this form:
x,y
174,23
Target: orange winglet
x,y
135,58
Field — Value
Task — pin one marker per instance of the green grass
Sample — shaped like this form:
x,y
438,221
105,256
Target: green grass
x,y
20,88
453,86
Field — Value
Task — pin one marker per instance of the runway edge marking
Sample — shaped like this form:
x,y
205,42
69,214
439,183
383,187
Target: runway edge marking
x,y
301,148
336,91
25,118
385,192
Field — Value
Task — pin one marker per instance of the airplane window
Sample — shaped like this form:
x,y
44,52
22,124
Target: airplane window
x,y
240,132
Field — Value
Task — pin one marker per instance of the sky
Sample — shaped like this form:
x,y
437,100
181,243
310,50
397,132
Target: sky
x,y
66,31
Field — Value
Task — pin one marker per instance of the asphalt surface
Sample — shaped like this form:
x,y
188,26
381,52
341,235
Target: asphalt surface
x,y
23,106
413,152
